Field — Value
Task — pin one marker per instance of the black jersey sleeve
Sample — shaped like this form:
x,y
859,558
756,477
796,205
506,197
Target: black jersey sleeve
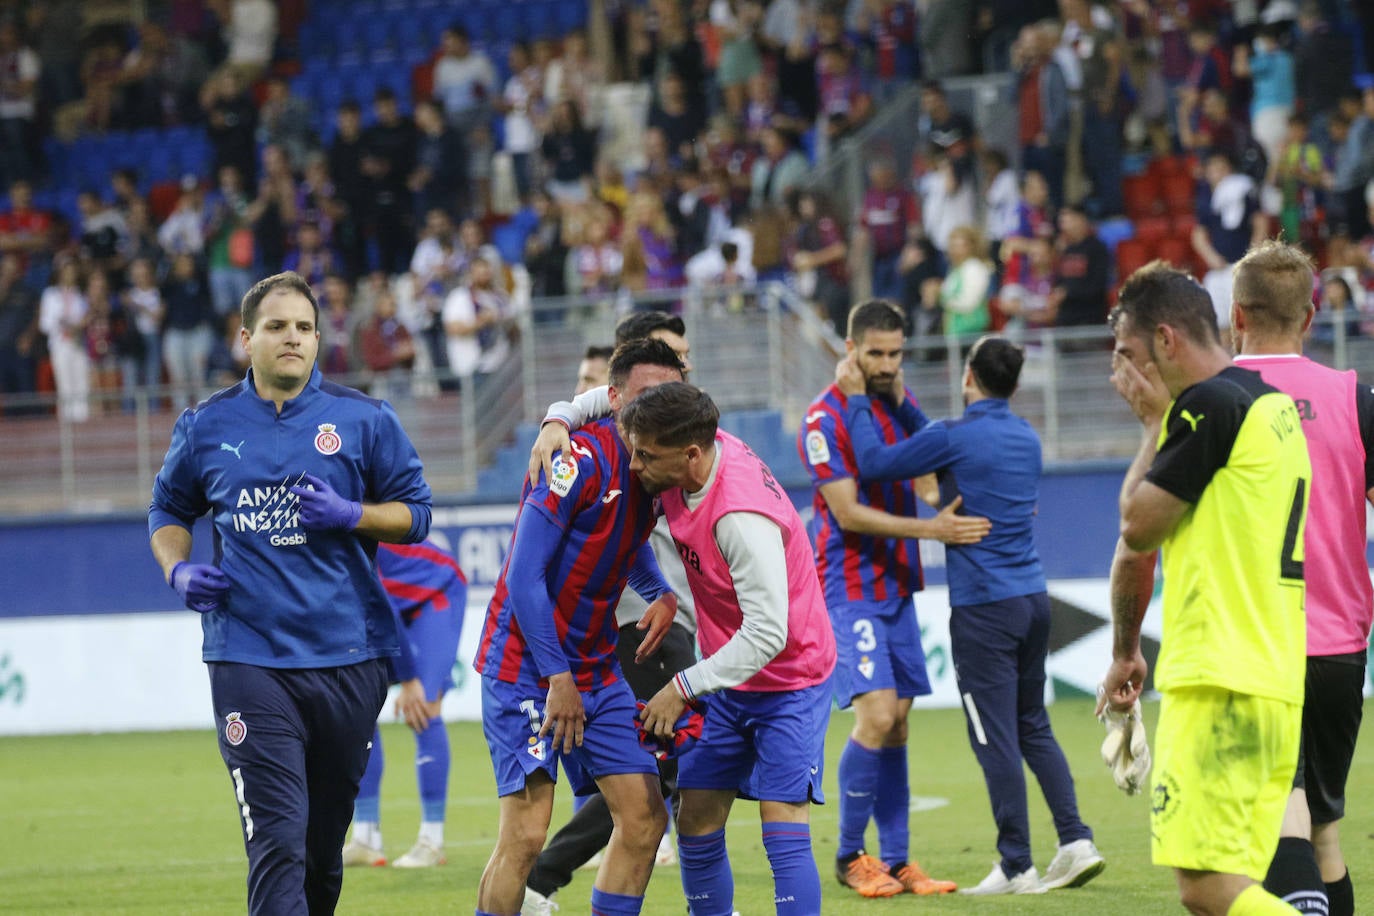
x,y
1201,428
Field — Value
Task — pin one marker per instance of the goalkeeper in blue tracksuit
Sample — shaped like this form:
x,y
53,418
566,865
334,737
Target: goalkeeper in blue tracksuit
x,y
302,478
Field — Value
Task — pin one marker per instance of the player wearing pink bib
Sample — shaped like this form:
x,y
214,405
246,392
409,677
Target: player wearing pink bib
x,y
1271,313
767,645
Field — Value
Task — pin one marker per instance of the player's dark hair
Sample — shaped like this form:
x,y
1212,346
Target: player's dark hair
x,y
1159,294
996,365
289,280
674,414
641,324
645,351
595,352
875,315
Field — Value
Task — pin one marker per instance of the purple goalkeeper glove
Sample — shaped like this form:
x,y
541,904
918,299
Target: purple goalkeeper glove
x,y
199,585
323,510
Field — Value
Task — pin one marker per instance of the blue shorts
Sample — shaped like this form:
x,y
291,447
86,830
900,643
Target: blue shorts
x,y
433,637
764,746
878,647
512,715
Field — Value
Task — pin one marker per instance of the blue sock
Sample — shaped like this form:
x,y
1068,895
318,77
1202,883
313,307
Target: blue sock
x,y
706,877
367,807
892,810
484,913
858,794
604,903
796,882
431,769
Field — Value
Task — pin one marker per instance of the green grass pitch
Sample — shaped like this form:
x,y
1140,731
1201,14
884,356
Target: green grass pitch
x,y
146,823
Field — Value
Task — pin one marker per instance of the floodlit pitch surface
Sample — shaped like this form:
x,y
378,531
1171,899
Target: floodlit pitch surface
x,y
146,823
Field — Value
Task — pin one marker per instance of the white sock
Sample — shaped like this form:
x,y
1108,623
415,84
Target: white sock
x,y
432,832
369,833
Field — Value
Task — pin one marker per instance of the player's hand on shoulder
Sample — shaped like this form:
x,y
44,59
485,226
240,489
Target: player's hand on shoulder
x,y
200,585
849,377
952,528
564,714
553,438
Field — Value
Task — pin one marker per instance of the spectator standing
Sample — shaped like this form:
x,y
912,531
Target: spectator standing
x,y
1322,64
231,121
1025,296
649,233
20,70
781,168
967,286
1101,54
187,331
595,262
62,319
1043,105
18,335
845,103
675,113
818,256
569,153
947,200
889,215
1001,200
251,36
1270,69
273,212
1082,272
312,258
141,353
576,77
440,176
464,79
346,171
1228,223
284,120
475,316
1298,172
546,253
388,351
103,340
1353,170
336,325
388,159
229,243
522,102
160,77
737,23
945,33
183,232
24,230
55,23
104,234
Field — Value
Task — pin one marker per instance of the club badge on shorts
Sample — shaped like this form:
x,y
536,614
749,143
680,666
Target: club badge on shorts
x,y
235,729
537,749
327,442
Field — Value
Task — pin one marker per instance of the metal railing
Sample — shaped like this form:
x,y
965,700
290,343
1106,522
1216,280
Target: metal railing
x,y
773,353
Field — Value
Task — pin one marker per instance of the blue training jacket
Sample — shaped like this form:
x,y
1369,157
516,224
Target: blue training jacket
x,y
298,599
990,457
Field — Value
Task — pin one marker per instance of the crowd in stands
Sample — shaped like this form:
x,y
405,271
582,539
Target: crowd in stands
x,y
431,183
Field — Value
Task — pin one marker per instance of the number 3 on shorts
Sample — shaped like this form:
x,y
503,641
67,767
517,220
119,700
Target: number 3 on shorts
x,y
866,642
531,709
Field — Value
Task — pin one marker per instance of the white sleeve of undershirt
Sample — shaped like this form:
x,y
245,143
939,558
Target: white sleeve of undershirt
x,y
581,410
753,549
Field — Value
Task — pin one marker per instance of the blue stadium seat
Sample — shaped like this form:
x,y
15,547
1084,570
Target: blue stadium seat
x,y
572,15
1113,232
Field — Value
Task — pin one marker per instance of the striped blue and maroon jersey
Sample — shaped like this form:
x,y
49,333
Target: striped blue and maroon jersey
x,y
604,516
420,576
859,567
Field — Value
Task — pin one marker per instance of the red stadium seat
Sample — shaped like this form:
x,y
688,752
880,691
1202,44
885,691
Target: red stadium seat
x,y
162,199
1142,196
1183,224
1131,255
1152,229
1180,194
1178,252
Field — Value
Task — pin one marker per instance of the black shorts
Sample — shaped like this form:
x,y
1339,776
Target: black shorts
x,y
1331,714
677,651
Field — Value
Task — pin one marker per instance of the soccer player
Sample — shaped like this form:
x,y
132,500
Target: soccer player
x,y
595,369
428,594
1270,315
551,684
1221,483
869,565
767,648
999,623
578,843
303,478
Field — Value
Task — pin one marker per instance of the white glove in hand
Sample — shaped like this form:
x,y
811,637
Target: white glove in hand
x,y
1124,750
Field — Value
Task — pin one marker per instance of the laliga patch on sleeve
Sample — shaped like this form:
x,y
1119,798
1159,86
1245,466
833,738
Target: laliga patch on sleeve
x,y
564,473
817,449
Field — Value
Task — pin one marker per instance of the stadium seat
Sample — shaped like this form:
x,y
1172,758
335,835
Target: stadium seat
x,y
1142,195
1176,251
1180,194
1131,255
1152,229
162,199
571,16
1113,232
1182,225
